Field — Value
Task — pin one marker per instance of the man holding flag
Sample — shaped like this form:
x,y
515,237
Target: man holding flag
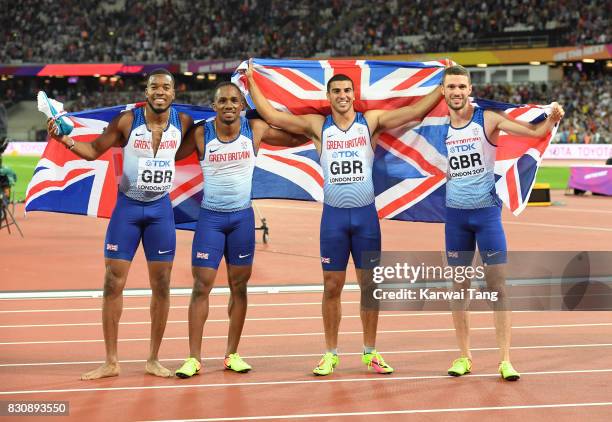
x,y
150,137
226,147
345,141
473,214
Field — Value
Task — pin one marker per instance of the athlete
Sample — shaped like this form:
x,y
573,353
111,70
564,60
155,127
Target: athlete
x,y
226,147
150,137
473,208
345,140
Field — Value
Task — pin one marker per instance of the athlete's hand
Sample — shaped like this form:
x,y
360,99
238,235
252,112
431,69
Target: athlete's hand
x,y
447,63
53,131
557,113
249,71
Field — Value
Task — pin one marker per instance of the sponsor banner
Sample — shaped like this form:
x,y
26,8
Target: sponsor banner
x,y
596,179
84,69
213,66
498,57
25,148
534,281
578,152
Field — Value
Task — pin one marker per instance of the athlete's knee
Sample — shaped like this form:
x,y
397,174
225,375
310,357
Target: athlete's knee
x,y
495,276
201,287
332,286
114,280
238,286
161,289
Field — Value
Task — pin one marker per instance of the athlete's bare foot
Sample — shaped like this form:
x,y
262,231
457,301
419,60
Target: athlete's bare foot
x,y
153,367
106,370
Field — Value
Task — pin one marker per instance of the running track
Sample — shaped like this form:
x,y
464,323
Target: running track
x,y
565,357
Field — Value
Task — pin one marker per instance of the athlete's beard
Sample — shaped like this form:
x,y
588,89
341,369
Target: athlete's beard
x,y
463,103
226,121
157,110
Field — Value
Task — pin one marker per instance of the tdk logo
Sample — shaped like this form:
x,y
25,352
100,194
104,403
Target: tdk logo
x,y
159,163
345,154
463,148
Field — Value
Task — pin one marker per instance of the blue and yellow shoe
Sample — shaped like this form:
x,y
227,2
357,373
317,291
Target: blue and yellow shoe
x,y
375,362
235,363
327,364
189,368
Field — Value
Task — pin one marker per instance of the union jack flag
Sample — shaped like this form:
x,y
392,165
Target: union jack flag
x,y
518,158
409,169
410,162
410,166
63,182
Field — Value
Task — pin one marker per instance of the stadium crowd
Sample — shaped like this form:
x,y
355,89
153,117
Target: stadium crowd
x,y
586,99
587,104
169,30
166,30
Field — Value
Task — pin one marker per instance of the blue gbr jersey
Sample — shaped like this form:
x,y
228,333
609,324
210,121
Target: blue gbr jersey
x,y
228,169
146,177
347,158
471,162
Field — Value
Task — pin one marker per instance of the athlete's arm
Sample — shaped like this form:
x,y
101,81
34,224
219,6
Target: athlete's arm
x,y
189,144
498,121
113,136
381,120
308,125
186,123
272,136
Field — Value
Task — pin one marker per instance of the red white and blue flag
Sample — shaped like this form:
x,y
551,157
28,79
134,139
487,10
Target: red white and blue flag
x,y
409,169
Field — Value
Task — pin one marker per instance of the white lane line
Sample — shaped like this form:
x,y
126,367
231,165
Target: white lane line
x,y
390,412
45,294
311,381
572,210
560,226
428,330
317,355
146,308
297,318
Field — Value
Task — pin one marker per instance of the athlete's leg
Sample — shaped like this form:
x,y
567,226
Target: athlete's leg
x,y
206,254
122,238
460,245
159,279
492,245
115,278
238,277
203,282
335,249
239,251
333,282
365,249
159,243
496,282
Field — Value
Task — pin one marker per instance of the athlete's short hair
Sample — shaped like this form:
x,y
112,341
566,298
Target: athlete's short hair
x,y
160,71
228,83
457,70
337,78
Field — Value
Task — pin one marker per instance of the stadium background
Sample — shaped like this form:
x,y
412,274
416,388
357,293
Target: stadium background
x,y
90,54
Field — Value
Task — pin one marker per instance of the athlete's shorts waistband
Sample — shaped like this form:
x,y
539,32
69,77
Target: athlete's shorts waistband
x,y
348,208
223,211
123,197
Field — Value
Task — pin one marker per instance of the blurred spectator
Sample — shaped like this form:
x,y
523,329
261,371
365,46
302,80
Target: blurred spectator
x,y
40,31
588,109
